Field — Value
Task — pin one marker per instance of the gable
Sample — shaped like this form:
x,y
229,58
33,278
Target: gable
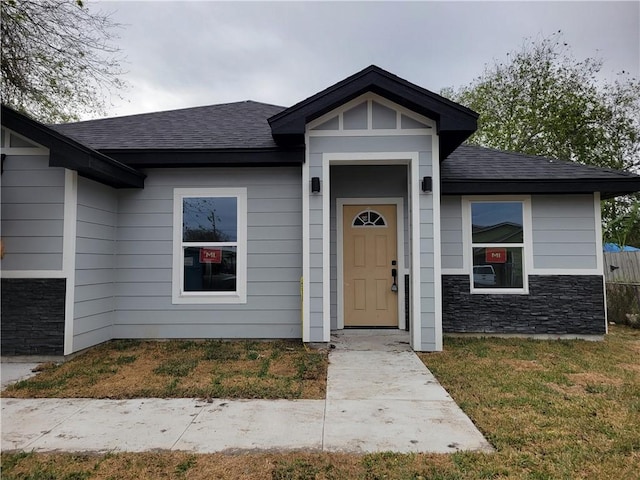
x,y
370,114
454,123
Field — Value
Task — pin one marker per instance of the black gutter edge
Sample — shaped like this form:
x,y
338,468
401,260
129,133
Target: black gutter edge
x,y
608,187
175,158
67,153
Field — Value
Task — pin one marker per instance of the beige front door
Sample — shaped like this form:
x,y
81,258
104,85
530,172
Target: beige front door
x,y
370,248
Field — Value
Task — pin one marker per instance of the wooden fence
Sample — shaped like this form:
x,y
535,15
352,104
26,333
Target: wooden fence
x,y
622,267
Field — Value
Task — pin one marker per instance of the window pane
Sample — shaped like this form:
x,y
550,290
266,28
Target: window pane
x,y
210,219
496,222
497,267
209,269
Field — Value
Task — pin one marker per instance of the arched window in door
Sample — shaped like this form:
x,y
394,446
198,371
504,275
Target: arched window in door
x,y
368,218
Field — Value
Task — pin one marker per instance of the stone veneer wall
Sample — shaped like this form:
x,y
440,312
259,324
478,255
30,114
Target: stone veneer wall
x,y
32,313
555,305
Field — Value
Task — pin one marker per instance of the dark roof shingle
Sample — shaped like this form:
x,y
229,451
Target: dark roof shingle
x,y
225,126
470,162
477,170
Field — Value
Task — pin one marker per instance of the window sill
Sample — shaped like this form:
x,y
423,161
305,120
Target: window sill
x,y
499,291
223,299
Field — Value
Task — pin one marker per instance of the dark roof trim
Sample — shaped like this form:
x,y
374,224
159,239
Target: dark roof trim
x,y
209,158
608,188
455,122
67,153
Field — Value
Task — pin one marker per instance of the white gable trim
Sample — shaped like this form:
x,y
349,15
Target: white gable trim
x,y
24,151
369,98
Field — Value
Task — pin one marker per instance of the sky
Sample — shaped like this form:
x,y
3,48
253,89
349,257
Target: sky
x,y
184,54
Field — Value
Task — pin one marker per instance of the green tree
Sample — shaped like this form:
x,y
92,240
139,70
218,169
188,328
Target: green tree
x,y
542,101
57,60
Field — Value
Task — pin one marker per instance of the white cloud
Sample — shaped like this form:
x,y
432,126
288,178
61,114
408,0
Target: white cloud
x,y
194,53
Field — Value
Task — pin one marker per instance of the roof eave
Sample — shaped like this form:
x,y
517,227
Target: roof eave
x,y
67,153
608,187
238,157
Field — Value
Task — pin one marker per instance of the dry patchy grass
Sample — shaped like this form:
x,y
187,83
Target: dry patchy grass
x,y
553,410
247,466
132,369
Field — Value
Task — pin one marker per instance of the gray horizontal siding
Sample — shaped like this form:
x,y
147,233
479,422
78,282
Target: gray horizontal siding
x,y
183,327
564,232
451,232
94,307
32,213
274,258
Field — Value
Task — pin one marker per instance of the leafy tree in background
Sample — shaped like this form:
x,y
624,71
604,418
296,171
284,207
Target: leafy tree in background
x,y
57,62
542,101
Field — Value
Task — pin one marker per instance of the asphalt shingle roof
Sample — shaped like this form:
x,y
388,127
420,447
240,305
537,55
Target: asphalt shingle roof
x,y
470,162
244,126
224,126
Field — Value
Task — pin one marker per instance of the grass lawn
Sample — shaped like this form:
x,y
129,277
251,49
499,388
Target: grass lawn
x,y
173,369
553,410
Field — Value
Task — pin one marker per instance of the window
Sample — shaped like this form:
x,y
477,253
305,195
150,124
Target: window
x,y
368,218
497,246
209,245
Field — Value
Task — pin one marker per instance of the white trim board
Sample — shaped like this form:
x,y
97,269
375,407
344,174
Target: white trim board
x,y
33,274
340,203
306,246
437,239
69,254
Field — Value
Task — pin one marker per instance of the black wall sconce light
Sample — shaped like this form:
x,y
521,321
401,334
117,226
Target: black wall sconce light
x,y
315,185
427,184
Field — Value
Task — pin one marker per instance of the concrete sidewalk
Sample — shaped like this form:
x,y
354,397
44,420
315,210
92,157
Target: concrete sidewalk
x,y
380,397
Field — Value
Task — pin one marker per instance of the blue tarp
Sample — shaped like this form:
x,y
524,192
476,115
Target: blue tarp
x,y
613,247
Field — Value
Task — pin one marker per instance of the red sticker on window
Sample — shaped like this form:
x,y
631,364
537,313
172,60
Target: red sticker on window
x,y
210,255
495,255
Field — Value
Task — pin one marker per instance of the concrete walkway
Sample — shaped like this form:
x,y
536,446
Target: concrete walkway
x,y
380,397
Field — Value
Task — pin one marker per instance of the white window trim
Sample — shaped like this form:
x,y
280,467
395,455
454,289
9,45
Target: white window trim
x,y
526,245
240,295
